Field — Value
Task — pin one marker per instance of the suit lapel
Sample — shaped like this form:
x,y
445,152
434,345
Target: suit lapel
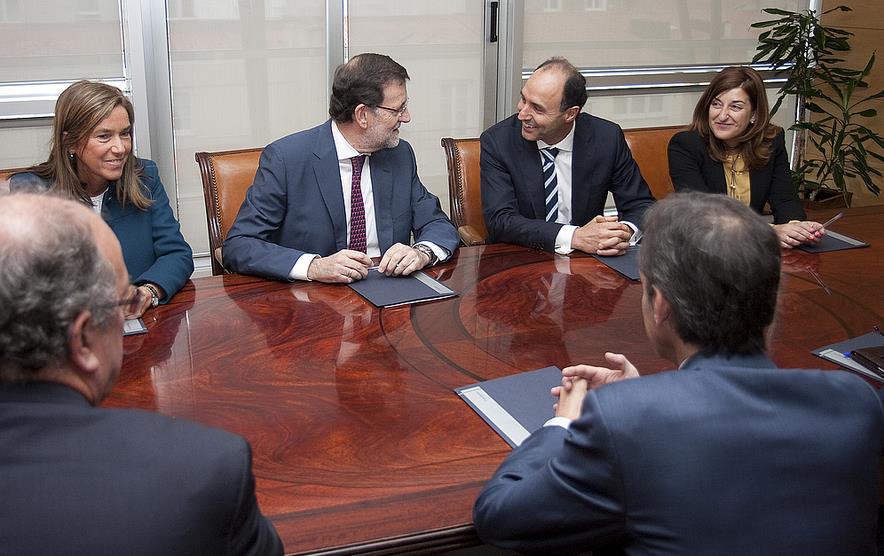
x,y
581,161
328,181
532,172
382,196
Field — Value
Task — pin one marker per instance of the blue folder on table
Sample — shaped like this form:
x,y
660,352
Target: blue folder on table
x,y
833,241
389,291
626,264
515,405
839,353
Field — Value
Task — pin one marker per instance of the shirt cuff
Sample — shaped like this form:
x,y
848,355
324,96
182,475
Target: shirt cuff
x,y
636,233
563,239
441,253
299,271
563,422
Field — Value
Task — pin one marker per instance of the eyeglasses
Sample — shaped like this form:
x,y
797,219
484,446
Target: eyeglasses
x,y
398,111
130,304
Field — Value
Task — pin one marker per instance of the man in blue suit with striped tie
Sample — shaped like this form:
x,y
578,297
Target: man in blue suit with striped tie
x,y
547,170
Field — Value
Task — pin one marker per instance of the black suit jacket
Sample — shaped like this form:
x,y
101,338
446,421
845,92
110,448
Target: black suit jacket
x,y
82,480
726,456
691,168
512,181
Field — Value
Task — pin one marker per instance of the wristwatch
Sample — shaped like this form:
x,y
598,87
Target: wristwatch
x,y
154,295
426,251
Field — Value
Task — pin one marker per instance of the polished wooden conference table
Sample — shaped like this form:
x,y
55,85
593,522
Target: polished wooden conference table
x,y
360,444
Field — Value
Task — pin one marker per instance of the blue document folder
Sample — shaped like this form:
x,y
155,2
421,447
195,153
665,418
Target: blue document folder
x,y
515,405
833,241
839,353
389,291
626,264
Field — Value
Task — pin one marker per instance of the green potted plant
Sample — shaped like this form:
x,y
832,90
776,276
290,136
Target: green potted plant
x,y
829,110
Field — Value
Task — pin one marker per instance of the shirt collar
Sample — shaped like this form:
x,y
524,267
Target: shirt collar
x,y
566,144
345,150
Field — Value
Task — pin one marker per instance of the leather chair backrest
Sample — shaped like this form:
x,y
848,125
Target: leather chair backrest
x,y
650,149
226,176
464,189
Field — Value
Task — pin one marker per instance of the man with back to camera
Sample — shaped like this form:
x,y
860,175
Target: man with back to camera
x,y
727,455
77,479
547,170
326,200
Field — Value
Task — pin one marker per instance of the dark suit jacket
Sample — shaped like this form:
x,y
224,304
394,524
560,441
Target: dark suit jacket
x,y
296,205
691,168
512,181
153,247
82,480
722,457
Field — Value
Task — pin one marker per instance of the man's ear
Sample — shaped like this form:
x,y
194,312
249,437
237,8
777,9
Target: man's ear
x,y
81,342
662,307
360,115
571,113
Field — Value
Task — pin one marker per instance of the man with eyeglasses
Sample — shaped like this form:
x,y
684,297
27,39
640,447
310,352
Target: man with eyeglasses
x,y
328,199
547,170
77,479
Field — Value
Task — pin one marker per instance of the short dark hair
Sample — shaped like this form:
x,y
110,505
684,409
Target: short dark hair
x,y
361,81
718,264
50,271
574,92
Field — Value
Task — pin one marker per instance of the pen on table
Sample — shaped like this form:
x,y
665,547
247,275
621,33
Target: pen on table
x,y
832,220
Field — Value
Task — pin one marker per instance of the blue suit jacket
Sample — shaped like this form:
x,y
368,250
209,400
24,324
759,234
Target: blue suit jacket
x,y
727,456
296,205
512,181
153,248
691,168
83,480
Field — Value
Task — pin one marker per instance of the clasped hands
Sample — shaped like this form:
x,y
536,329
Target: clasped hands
x,y
578,379
348,266
603,235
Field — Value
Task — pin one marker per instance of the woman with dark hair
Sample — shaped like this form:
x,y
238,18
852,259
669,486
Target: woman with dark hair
x,y
733,148
91,160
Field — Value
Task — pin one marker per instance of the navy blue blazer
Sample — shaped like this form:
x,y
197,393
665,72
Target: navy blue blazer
x,y
512,181
726,456
153,248
296,205
77,479
691,168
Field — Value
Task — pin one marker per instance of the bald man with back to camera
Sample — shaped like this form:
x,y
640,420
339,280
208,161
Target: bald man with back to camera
x,y
726,455
77,479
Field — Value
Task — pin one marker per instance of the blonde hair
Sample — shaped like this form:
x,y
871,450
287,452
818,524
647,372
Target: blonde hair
x,y
78,111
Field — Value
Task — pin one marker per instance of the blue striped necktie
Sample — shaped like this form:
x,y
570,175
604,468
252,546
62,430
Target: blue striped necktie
x,y
550,184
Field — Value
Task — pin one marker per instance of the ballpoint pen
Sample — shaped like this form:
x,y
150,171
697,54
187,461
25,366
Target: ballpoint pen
x,y
832,220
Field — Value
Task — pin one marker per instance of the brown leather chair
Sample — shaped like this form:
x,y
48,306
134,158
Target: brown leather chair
x,y
650,149
464,189
226,176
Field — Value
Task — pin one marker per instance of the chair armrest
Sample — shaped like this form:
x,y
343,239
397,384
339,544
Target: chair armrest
x,y
470,236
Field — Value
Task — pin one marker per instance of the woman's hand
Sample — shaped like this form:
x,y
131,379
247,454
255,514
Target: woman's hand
x,y
797,233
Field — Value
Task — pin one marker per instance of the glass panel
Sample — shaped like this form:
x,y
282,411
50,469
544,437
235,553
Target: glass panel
x,y
441,46
243,75
60,39
24,146
630,33
651,110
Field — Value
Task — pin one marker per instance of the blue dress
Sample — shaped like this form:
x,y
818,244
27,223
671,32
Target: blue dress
x,y
153,248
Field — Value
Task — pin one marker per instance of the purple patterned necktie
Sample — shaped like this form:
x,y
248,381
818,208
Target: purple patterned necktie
x,y
357,208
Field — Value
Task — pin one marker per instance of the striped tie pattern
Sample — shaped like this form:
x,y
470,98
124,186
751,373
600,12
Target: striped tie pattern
x,y
550,185
357,207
